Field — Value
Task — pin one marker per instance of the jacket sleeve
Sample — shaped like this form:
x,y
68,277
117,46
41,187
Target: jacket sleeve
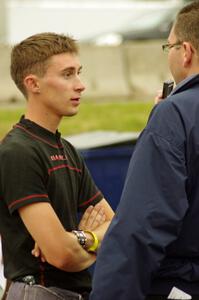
x,y
147,220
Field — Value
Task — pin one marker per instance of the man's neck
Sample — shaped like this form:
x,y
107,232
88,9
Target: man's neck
x,y
44,120
42,115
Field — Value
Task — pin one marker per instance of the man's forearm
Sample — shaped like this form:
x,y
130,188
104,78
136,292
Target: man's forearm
x,y
73,257
80,257
61,248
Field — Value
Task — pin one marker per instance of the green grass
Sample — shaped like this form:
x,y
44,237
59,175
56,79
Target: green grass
x,y
119,116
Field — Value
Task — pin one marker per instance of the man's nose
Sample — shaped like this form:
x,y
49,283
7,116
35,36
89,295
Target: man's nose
x,y
80,85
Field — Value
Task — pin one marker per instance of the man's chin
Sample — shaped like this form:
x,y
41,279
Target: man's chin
x,y
71,113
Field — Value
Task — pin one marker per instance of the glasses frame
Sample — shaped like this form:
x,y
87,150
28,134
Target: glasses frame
x,y
168,46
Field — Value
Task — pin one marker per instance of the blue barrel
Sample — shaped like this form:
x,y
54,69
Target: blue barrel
x,y
108,166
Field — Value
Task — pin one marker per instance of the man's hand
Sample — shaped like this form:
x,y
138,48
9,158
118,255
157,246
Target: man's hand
x,y
36,252
158,97
93,217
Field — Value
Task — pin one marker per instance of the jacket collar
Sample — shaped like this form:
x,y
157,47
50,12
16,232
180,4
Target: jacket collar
x,y
185,84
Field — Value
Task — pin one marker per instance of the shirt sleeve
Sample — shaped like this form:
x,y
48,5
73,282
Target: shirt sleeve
x,y
22,177
150,213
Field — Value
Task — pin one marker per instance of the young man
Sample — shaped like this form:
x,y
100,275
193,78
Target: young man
x,y
151,250
44,182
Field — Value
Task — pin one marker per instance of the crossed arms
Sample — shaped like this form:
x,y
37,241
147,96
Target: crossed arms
x,y
59,247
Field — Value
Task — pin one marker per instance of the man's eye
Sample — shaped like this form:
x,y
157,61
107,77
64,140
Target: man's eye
x,y
68,74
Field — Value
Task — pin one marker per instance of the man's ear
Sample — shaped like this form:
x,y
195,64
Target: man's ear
x,y
188,54
31,83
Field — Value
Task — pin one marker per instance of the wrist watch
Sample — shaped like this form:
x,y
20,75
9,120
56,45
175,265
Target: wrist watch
x,y
81,237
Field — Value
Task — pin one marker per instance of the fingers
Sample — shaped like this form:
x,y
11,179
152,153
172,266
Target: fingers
x,y
158,97
42,258
95,216
85,218
36,252
92,218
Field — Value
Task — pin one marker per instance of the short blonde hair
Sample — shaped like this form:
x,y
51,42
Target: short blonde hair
x,y
32,54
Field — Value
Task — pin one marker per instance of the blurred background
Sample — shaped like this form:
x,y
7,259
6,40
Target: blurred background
x,y
123,67
120,41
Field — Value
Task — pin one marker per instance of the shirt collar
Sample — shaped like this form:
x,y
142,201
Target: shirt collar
x,y
40,133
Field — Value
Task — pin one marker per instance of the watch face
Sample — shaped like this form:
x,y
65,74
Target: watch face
x,y
81,237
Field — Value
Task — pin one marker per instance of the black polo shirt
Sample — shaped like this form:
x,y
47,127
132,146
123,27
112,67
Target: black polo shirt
x,y
39,166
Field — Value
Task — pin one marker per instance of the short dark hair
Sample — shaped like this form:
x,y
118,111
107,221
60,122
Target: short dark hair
x,y
186,26
32,54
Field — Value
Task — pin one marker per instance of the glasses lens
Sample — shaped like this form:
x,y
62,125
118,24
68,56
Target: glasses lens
x,y
168,46
165,47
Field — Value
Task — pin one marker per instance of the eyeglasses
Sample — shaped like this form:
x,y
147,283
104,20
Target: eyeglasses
x,y
167,47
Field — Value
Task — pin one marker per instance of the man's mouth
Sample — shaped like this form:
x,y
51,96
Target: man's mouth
x,y
75,101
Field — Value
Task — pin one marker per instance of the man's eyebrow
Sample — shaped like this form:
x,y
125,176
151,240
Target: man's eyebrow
x,y
71,69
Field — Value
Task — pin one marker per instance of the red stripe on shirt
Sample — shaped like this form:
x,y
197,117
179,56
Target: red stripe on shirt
x,y
27,198
90,200
37,137
64,166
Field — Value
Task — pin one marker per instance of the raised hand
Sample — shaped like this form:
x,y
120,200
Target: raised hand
x,y
158,97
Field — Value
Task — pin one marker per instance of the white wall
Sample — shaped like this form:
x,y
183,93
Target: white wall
x,y
3,21
127,71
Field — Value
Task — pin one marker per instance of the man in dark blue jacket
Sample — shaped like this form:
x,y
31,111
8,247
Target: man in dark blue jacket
x,y
151,250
